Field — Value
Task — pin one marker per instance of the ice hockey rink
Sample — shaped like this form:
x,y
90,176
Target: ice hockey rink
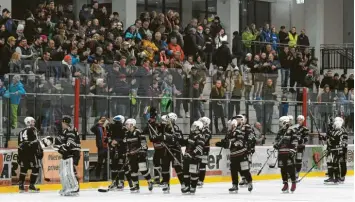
x,y
311,189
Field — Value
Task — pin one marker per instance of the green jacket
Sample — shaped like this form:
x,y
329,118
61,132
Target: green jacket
x,y
247,38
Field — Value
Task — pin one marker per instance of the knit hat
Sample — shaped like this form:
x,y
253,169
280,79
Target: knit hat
x,y
67,58
44,37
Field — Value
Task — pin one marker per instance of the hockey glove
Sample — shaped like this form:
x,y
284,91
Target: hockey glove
x,y
292,153
169,138
62,150
219,144
276,146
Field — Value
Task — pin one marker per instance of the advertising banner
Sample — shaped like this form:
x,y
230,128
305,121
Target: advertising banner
x,y
6,167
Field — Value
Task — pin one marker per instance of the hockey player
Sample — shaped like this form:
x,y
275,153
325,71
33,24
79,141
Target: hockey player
x,y
172,138
237,142
136,144
194,151
343,158
302,133
286,144
153,129
119,165
249,132
206,149
336,141
29,152
68,145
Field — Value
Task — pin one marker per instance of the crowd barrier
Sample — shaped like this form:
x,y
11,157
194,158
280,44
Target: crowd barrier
x,y
218,167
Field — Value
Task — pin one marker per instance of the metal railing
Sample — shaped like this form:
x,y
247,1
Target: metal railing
x,y
337,56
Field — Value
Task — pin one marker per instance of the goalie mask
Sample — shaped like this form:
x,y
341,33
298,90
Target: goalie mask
x,y
47,142
196,126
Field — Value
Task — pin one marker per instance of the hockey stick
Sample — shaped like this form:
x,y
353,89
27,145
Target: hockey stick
x,y
265,162
315,165
44,175
274,165
122,169
177,161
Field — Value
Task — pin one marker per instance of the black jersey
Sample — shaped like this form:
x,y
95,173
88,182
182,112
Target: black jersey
x,y
28,139
135,141
117,133
302,134
195,144
68,143
207,136
250,135
286,140
337,139
238,141
155,134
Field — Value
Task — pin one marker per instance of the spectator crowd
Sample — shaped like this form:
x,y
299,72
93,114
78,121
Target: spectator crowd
x,y
154,62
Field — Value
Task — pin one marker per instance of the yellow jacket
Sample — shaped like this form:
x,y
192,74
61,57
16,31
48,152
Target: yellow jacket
x,y
146,43
292,40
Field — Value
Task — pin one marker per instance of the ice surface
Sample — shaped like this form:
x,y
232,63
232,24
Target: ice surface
x,y
311,189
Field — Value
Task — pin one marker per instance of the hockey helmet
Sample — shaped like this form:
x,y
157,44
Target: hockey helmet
x,y
29,121
172,117
290,117
338,119
338,122
130,124
205,120
284,121
196,126
119,118
164,119
240,119
66,120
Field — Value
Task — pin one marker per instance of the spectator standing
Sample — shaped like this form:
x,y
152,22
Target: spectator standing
x,y
274,39
303,39
223,56
342,83
175,47
8,21
283,36
350,81
247,76
236,87
293,38
328,80
259,110
218,94
196,108
15,92
259,78
101,132
268,97
15,64
326,100
265,35
272,70
216,26
285,62
85,14
190,43
36,47
24,50
237,47
220,38
314,67
6,53
30,29
248,37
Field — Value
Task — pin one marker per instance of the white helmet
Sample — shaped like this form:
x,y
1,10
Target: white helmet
x,y
244,119
119,118
206,121
290,117
284,121
172,117
338,119
196,126
240,119
300,117
130,124
232,124
164,119
29,121
338,122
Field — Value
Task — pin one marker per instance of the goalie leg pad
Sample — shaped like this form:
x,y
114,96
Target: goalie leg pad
x,y
68,179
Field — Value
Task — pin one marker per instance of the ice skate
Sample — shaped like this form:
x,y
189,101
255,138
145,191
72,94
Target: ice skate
x,y
243,183
134,189
33,189
234,189
166,188
285,188
293,187
199,184
21,188
250,187
150,185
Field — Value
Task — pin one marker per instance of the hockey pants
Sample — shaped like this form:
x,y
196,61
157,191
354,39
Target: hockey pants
x,y
191,169
333,163
240,164
204,161
138,163
299,157
176,161
157,162
286,164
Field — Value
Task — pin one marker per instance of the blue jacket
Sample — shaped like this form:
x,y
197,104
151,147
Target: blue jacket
x,y
74,59
2,91
133,36
15,99
274,40
266,36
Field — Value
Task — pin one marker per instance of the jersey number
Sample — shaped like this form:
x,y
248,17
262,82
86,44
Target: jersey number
x,y
24,136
